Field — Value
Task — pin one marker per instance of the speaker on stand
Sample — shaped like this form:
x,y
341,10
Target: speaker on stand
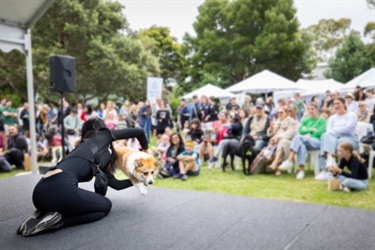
x,y
62,80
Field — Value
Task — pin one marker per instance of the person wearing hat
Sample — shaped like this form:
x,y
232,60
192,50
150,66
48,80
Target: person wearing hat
x,y
350,103
256,126
189,163
232,105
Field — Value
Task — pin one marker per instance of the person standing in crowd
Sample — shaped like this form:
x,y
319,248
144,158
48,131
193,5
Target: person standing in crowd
x,y
90,113
310,130
9,114
316,100
340,127
247,105
300,105
145,119
269,105
132,117
204,109
125,109
351,105
214,110
101,110
194,108
256,126
111,115
183,113
24,116
72,125
163,119
61,116
16,148
356,178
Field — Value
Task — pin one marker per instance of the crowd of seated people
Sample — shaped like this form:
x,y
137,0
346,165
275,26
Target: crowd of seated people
x,y
291,127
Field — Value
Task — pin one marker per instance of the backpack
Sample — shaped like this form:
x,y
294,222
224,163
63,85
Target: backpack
x,y
260,163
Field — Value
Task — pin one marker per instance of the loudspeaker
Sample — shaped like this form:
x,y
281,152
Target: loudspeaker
x,y
62,74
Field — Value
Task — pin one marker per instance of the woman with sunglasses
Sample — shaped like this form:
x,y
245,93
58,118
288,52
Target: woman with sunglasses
x,y
281,134
171,166
310,130
340,127
363,113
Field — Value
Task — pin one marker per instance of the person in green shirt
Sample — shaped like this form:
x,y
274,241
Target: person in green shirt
x,y
300,105
310,130
9,114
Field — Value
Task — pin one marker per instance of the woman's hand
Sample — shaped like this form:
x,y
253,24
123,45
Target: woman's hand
x,y
334,170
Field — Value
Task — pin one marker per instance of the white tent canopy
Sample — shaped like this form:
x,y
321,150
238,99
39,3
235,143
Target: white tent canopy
x,y
316,87
16,20
365,80
263,82
210,90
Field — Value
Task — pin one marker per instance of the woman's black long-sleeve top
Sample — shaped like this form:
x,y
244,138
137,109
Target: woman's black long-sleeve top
x,y
102,140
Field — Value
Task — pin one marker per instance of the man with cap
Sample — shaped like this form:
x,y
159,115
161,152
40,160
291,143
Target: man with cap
x,y
257,125
350,103
232,105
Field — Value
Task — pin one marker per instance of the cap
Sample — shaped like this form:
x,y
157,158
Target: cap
x,y
195,96
349,95
259,104
183,99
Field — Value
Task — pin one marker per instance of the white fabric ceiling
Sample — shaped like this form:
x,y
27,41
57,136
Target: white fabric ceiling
x,y
365,80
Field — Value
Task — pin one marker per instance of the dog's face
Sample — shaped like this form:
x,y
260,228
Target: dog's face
x,y
248,142
145,169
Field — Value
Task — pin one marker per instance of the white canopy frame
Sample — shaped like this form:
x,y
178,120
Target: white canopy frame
x,y
16,21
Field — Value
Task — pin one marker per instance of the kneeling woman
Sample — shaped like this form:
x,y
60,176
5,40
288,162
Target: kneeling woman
x,y
58,199
356,179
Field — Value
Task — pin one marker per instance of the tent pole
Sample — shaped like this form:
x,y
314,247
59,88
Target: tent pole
x,y
30,97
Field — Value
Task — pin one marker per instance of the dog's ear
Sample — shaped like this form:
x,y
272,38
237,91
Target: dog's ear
x,y
137,163
159,164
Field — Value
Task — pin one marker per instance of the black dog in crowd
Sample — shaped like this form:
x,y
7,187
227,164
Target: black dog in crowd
x,y
244,149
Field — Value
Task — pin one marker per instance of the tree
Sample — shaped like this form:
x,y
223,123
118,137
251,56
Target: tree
x,y
350,60
107,60
168,51
327,36
236,39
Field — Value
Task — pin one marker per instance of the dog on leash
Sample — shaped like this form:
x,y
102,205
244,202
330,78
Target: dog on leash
x,y
244,149
140,167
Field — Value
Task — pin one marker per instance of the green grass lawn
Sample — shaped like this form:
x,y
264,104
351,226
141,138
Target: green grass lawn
x,y
284,187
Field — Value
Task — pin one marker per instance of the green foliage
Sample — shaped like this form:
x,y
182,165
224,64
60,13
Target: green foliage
x,y
236,39
350,60
326,36
168,52
107,60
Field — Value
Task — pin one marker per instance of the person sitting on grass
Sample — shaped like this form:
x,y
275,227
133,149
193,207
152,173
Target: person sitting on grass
x,y
188,162
356,178
160,150
310,130
171,166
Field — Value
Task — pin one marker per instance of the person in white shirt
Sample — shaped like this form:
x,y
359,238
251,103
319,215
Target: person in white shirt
x,y
351,105
340,127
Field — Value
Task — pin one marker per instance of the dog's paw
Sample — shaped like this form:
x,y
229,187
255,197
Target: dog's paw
x,y
143,191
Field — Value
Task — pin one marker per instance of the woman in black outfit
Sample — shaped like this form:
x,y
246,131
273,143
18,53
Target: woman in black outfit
x,y
58,199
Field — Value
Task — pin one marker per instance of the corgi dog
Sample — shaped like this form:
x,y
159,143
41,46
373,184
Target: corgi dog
x,y
140,167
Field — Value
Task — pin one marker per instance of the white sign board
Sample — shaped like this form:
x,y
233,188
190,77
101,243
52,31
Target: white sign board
x,y
154,88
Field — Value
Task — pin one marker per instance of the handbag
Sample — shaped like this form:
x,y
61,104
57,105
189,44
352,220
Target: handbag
x,y
333,184
101,179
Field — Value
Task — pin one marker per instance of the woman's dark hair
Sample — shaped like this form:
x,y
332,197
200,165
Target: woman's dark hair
x,y
89,109
235,117
342,100
196,121
92,127
181,142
